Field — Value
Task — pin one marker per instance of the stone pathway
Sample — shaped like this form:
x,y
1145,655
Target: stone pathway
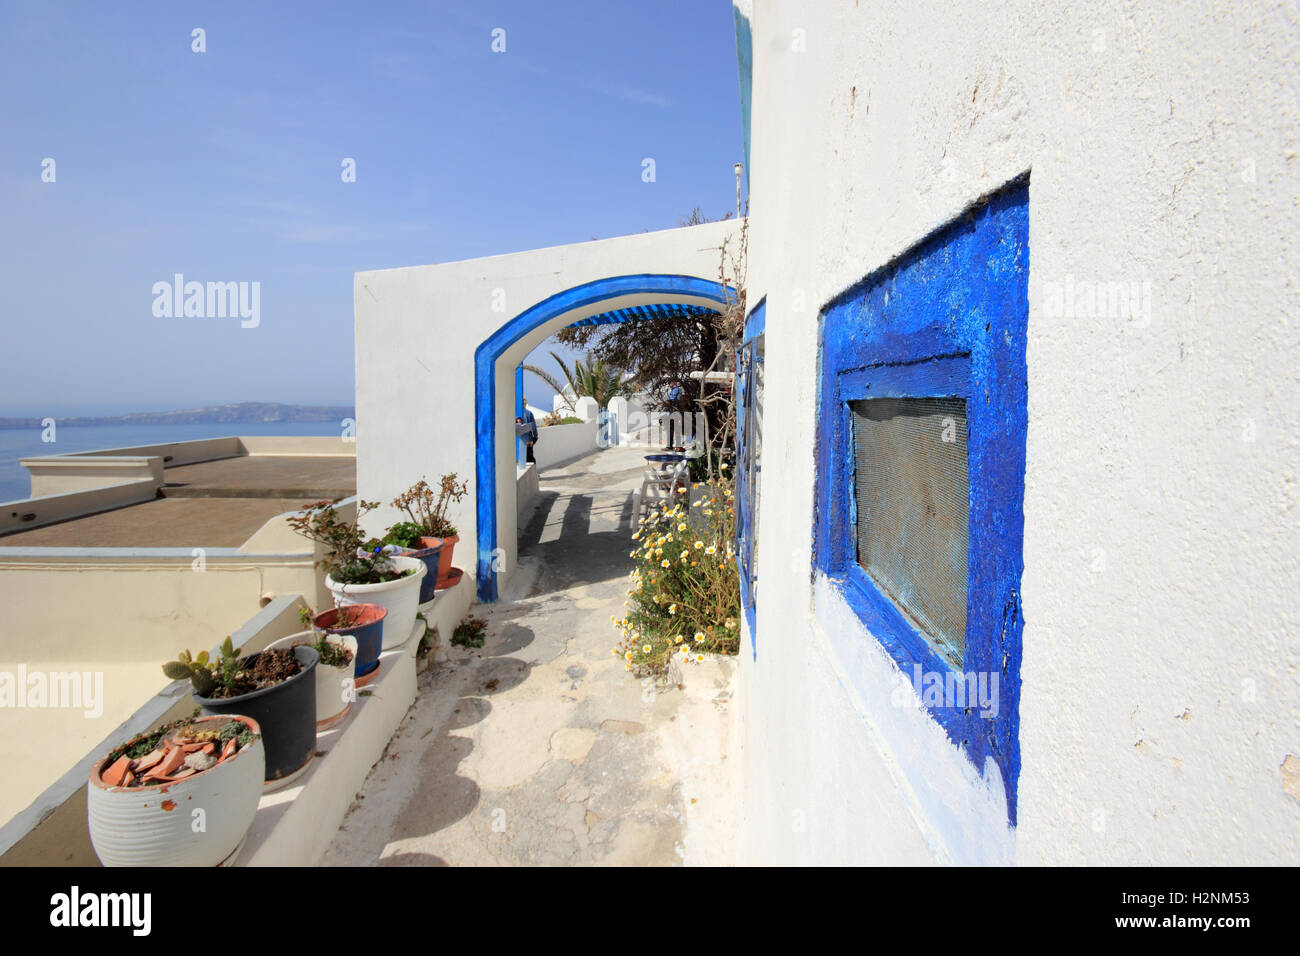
x,y
538,748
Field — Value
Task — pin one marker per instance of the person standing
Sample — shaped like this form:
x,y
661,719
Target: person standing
x,y
531,438
674,404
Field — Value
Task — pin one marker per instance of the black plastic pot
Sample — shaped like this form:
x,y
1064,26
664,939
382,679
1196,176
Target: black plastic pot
x,y
286,712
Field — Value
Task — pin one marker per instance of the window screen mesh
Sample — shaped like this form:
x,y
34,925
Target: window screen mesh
x,y
913,509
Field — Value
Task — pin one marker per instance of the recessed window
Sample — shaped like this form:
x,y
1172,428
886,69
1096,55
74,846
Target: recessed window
x,y
921,433
912,503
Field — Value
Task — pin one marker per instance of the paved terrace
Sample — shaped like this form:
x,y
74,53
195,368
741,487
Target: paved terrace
x,y
538,747
215,504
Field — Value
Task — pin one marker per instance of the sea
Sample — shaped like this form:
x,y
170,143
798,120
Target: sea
x,y
16,443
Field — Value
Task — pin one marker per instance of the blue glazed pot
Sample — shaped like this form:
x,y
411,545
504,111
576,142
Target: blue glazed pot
x,y
365,622
430,554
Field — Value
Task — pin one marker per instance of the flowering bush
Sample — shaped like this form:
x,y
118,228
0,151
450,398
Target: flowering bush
x,y
685,593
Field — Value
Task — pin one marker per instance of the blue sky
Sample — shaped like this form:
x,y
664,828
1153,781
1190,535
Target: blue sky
x,y
225,166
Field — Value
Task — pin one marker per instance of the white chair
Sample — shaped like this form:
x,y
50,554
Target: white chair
x,y
659,484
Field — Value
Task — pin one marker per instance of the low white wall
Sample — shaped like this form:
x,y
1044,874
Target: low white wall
x,y
558,444
525,491
33,512
58,474
293,826
631,419
52,830
180,452
298,446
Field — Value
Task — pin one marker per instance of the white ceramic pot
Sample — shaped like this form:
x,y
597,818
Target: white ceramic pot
x,y
400,597
155,826
335,686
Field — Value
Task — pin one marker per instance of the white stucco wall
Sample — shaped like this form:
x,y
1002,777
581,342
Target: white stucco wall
x,y
416,333
557,444
1161,673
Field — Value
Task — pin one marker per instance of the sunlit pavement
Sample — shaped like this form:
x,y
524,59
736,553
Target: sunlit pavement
x,y
539,748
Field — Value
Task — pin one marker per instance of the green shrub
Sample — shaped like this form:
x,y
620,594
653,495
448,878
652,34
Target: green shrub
x,y
685,594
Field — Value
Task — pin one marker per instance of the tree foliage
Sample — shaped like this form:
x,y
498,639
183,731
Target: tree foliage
x,y
595,376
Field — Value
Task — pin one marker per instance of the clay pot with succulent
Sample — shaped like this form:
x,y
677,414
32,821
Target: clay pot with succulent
x,y
275,687
427,510
142,799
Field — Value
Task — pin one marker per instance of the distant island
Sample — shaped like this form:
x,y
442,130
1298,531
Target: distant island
x,y
240,413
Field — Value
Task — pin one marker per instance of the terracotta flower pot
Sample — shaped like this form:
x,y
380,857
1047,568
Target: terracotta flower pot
x,y
444,560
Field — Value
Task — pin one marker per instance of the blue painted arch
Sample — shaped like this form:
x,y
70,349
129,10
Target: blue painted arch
x,y
583,296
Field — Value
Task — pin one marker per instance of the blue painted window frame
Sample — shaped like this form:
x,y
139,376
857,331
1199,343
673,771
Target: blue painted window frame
x,y
755,326
948,318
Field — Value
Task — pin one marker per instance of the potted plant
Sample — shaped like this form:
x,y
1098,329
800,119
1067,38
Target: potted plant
x,y
275,687
410,537
335,680
143,800
358,574
365,624
428,511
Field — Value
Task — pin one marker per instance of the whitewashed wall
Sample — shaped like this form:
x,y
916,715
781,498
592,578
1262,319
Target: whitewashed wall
x,y
1160,711
416,333
558,444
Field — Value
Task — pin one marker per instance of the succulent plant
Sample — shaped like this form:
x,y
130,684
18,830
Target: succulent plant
x,y
204,673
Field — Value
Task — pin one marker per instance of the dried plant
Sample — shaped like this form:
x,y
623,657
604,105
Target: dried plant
x,y
428,509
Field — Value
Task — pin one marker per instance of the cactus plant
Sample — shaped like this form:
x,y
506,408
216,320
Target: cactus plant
x,y
205,674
